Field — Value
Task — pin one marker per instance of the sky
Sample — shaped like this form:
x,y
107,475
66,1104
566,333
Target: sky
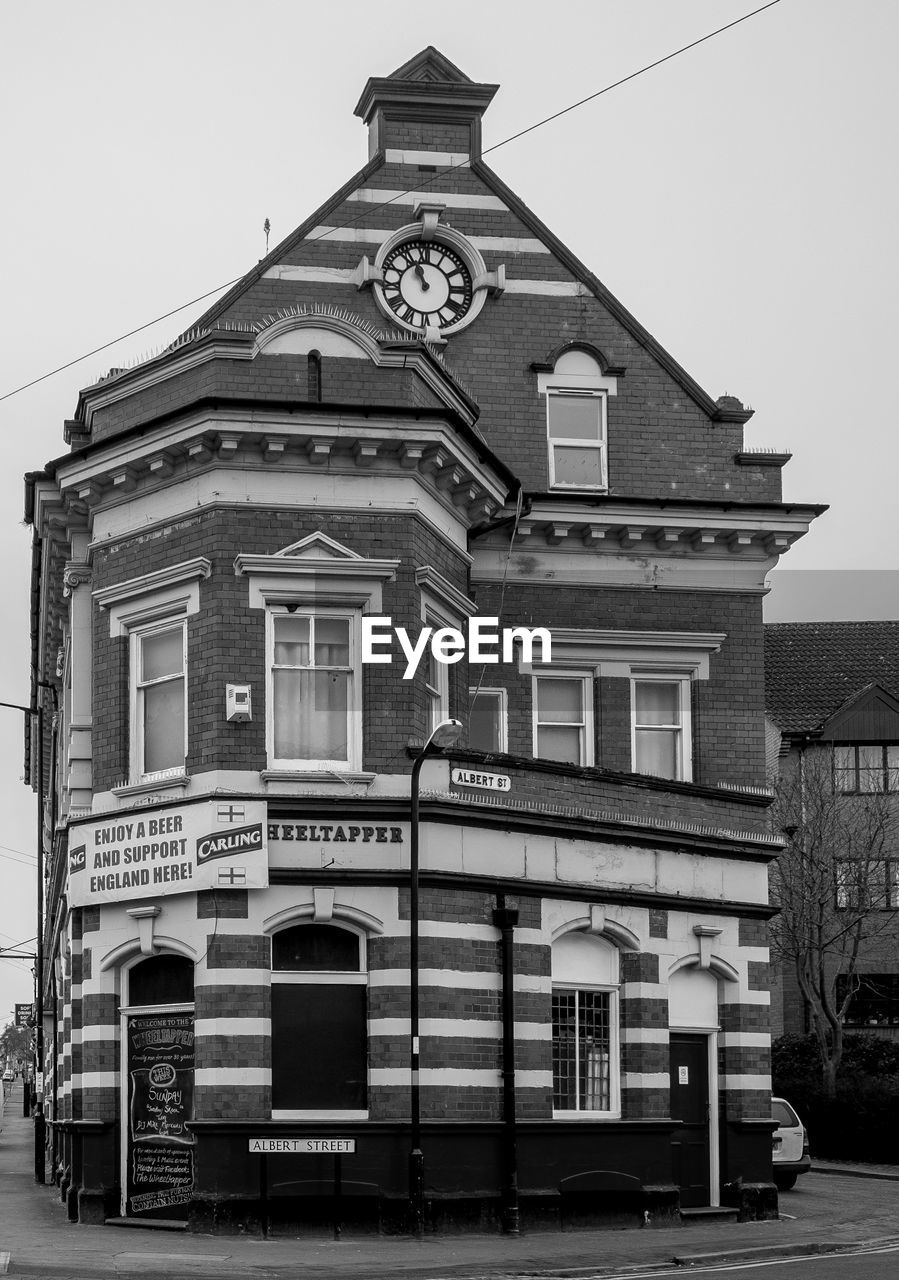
x,y
740,200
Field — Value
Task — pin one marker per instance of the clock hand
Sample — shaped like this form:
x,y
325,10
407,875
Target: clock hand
x,y
420,272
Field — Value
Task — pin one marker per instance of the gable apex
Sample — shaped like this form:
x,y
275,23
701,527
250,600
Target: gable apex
x,y
871,715
430,64
319,545
428,82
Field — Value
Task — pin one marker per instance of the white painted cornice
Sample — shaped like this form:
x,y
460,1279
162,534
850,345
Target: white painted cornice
x,y
428,450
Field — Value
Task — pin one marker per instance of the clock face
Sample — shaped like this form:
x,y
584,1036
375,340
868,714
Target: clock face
x,y
425,283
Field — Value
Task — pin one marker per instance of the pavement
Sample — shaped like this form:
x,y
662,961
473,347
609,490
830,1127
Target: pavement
x,y
823,1214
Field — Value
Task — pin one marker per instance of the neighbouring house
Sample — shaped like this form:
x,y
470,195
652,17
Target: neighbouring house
x,y
419,407
832,695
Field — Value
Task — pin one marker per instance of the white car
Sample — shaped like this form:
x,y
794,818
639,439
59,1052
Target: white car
x,y
789,1155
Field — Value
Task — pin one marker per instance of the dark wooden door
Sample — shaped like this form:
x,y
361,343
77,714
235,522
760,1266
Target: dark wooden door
x,y
691,1152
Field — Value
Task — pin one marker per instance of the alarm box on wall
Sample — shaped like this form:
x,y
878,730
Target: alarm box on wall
x,y
238,703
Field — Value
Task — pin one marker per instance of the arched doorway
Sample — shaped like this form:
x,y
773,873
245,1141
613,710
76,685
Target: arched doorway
x,y
158,1087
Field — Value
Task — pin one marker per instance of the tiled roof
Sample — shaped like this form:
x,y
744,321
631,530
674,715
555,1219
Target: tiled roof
x,y
812,668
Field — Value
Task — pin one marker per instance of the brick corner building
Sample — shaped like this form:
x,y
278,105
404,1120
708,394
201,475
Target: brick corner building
x,y
419,407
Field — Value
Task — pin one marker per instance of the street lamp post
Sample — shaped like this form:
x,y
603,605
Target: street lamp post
x,y
443,735
39,1125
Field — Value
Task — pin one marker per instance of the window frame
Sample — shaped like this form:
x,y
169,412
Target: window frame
x,y
436,690
311,609
613,1112
502,696
683,731
845,900
857,769
136,685
319,977
586,679
601,396
889,1000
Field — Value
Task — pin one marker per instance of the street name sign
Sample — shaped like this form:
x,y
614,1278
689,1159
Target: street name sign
x,y
484,781
303,1146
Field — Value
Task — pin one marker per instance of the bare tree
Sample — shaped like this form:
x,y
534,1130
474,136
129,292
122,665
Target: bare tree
x,y
830,885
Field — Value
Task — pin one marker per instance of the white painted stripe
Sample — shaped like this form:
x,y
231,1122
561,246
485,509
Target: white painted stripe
x,y
548,288
533,1079
466,1027
458,1078
510,244
744,1039
100,1031
452,199
746,1082
456,979
95,1080
213,978
395,156
4,1261
463,932
645,1080
377,235
751,997
644,1035
643,991
226,1077
233,1026
323,275
455,1077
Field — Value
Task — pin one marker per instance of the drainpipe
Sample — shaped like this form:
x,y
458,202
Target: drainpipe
x,y
505,919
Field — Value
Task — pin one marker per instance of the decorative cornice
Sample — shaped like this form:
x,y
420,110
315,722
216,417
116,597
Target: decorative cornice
x,y
173,576
454,465
430,580
622,526
762,458
302,567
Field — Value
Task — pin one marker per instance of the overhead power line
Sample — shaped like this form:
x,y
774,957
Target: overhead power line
x,y
400,194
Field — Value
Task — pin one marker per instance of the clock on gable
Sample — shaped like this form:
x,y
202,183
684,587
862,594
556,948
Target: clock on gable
x,y
426,284
429,278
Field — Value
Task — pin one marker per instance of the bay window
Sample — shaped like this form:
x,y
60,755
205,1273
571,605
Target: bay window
x,y
314,720
158,698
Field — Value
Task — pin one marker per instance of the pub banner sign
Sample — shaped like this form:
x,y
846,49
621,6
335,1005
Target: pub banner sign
x,y
212,845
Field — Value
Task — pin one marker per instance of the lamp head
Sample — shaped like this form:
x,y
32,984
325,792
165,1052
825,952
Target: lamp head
x,y
445,734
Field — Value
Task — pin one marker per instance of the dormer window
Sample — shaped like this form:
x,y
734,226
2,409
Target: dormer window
x,y
577,393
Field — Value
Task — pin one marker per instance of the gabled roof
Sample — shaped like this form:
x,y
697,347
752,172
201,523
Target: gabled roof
x,y
420,75
815,669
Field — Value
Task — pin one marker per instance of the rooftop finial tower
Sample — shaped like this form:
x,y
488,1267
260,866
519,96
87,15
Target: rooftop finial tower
x,y
427,104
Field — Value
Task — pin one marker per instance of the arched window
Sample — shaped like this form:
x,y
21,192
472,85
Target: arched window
x,y
319,1026
585,1026
576,394
162,979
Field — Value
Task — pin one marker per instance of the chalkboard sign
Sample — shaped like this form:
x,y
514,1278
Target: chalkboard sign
x,y
160,1154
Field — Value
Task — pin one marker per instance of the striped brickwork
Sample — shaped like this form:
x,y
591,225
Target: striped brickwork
x,y
460,1012
233,1027
644,1038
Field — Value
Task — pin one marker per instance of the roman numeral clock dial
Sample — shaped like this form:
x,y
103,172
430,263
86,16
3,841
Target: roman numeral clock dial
x,y
425,284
